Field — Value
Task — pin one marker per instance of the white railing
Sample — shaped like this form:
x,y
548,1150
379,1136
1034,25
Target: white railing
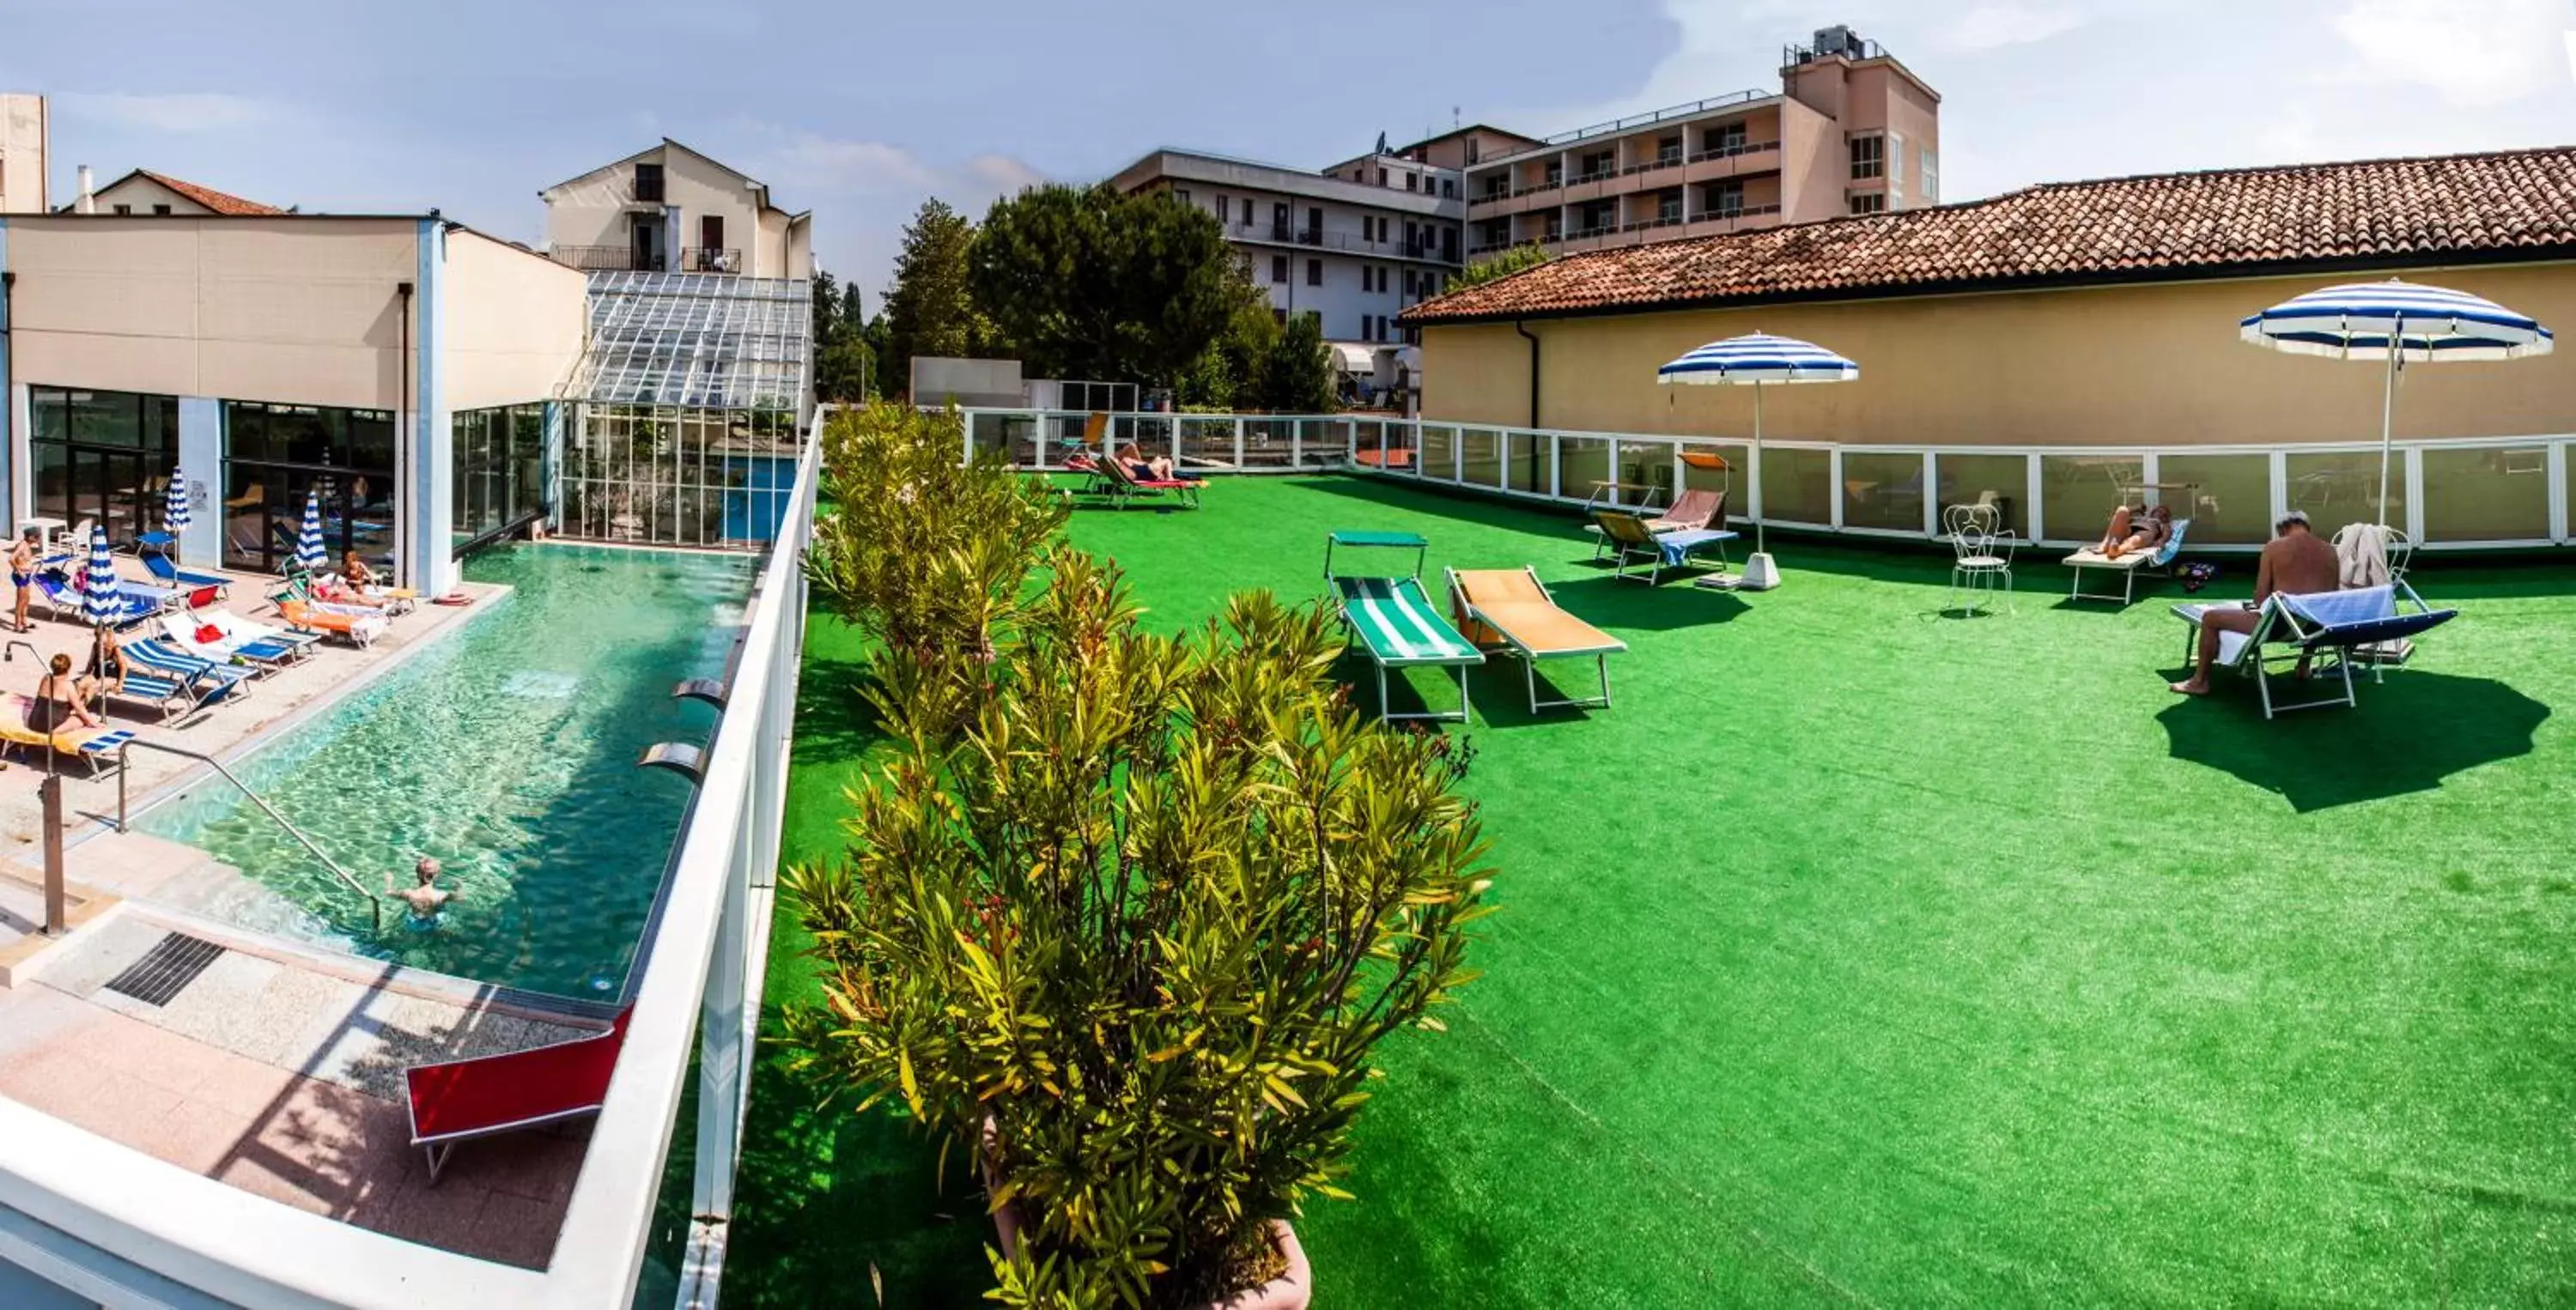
x,y
2448,493
119,1226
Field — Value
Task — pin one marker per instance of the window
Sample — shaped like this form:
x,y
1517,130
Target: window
x,y
497,468
1278,268
1314,272
1726,140
1668,207
161,209
1181,194
1868,202
711,247
1413,181
1279,316
1471,150
1247,211
1314,225
648,183
1668,150
1409,282
1600,163
1497,186
1868,157
1448,188
276,455
1555,172
1929,181
125,209
102,455
1219,206
1725,199
1381,177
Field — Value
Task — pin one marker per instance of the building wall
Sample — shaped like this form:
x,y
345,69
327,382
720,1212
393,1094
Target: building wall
x,y
23,132
591,210
700,187
278,309
514,326
1341,300
2133,366
140,194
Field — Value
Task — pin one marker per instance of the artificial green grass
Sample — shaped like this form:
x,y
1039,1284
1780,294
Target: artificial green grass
x,y
1862,953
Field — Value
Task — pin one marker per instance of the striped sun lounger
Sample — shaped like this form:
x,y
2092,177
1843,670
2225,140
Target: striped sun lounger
x,y
204,681
1395,623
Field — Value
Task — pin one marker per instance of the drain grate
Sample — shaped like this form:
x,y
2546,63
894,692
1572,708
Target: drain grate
x,y
166,969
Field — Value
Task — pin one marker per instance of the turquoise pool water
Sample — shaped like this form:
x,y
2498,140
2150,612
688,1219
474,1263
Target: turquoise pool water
x,y
505,750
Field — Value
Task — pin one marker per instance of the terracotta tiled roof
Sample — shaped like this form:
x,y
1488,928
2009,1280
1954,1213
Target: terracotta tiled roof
x,y
218,201
2509,205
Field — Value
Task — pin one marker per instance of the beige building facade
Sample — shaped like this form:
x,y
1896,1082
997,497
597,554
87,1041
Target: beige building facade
x,y
274,358
668,208
26,130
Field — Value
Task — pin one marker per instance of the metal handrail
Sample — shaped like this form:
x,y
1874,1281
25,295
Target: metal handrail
x,y
375,903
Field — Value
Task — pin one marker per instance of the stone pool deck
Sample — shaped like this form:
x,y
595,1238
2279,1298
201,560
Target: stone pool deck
x,y
276,1067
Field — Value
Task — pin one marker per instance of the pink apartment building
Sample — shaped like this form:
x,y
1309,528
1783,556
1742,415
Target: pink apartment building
x,y
1851,131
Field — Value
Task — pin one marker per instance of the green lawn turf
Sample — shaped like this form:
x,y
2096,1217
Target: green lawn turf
x,y
1861,953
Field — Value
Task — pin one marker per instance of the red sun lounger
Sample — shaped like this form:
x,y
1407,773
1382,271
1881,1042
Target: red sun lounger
x,y
489,1094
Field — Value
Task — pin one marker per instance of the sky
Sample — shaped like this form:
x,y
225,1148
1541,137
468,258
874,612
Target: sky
x,y
859,110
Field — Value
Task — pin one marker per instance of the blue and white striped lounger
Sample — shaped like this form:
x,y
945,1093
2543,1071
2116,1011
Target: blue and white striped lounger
x,y
204,681
2325,628
1396,624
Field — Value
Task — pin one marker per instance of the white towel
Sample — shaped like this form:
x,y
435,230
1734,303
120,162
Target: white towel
x,y
2362,549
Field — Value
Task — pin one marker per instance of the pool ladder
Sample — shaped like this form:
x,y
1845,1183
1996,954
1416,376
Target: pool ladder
x,y
375,903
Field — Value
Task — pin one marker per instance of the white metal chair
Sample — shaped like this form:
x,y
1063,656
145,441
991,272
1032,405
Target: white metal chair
x,y
1981,556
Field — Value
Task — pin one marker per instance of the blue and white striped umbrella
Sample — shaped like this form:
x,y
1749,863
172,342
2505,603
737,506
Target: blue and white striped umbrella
x,y
309,551
102,595
2400,323
174,512
1753,360
1757,358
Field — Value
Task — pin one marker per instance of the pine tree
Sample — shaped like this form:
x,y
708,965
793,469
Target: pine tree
x,y
928,311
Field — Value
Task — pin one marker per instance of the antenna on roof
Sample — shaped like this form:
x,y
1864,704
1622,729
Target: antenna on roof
x,y
1453,118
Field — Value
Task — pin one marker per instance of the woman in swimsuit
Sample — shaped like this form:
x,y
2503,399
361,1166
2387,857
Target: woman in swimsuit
x,y
59,700
2131,532
105,653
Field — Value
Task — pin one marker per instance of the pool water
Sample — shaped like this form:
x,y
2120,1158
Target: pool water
x,y
507,751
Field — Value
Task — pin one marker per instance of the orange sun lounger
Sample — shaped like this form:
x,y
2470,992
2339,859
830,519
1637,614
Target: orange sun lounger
x,y
1512,608
358,630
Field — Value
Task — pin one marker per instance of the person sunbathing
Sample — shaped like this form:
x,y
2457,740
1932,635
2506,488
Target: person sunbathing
x,y
1157,469
105,653
2295,563
355,573
2133,531
59,700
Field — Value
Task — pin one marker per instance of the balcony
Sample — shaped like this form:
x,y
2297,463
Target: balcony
x,y
1736,151
1351,242
607,259
709,259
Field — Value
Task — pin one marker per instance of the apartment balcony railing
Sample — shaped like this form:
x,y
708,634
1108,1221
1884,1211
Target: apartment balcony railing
x,y
1733,151
1671,160
1391,248
709,259
608,259
1660,220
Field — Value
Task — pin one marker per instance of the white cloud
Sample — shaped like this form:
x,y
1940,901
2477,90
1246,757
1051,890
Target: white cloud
x,y
801,162
2490,54
1991,27
177,112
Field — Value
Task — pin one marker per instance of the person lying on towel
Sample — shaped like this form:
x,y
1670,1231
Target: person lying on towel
x,y
1157,469
2294,563
2136,530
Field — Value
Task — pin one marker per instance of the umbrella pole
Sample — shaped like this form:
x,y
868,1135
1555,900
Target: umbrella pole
x,y
2387,420
1759,547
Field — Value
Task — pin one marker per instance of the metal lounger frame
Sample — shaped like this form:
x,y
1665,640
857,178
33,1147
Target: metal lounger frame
x,y
1529,659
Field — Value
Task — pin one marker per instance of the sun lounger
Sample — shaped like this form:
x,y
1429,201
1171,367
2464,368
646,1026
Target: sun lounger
x,y
1636,540
1394,623
459,1100
134,601
204,681
217,635
1511,608
2325,629
2159,562
359,630
154,549
1129,485
92,746
1697,510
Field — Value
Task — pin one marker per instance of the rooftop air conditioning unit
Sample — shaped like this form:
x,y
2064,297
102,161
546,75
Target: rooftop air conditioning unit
x,y
1837,40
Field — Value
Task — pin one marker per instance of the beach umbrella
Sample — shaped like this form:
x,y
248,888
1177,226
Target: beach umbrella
x,y
308,542
174,511
102,599
2398,323
1756,360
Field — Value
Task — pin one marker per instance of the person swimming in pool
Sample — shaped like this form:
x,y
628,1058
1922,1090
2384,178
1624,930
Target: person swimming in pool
x,y
22,575
426,898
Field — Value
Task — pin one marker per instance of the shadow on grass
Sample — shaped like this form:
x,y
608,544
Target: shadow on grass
x,y
1616,603
2406,735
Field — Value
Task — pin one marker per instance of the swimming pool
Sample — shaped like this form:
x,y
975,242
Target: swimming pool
x,y
507,751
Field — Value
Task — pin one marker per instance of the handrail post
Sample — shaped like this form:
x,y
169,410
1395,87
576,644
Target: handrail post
x,y
50,792
124,769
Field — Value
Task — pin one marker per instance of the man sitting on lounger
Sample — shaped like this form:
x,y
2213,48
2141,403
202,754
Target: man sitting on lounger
x,y
2132,531
425,899
2295,562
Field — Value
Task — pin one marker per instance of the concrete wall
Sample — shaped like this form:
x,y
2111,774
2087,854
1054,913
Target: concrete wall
x,y
515,323
279,309
23,131
140,194
2132,366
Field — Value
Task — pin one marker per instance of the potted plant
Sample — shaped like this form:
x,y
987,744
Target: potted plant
x,y
1126,914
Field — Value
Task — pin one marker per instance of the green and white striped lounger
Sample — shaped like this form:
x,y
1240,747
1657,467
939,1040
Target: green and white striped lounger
x,y
1397,624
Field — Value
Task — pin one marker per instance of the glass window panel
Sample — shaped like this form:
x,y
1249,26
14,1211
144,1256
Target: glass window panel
x,y
2002,481
1439,451
1484,447
1882,491
2342,486
107,418
1582,462
53,490
2486,495
2231,506
245,431
1528,470
50,413
1797,485
2078,492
